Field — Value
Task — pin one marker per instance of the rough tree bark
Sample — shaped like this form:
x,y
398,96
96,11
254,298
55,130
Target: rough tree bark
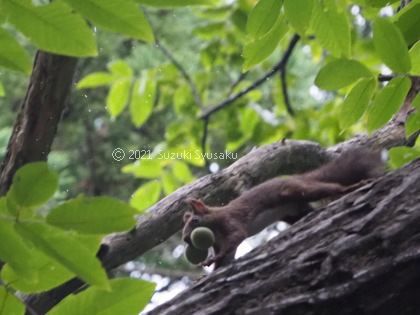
x,y
360,255
36,124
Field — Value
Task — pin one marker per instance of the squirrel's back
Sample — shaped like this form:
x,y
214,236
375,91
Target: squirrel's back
x,y
352,166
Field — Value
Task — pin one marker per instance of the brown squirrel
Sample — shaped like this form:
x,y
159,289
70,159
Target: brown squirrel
x,y
284,199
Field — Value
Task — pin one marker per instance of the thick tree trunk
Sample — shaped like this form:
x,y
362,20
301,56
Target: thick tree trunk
x,y
360,255
36,124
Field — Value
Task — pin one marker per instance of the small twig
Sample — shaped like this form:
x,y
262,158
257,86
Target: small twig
x,y
289,107
235,84
385,78
204,140
181,69
255,84
176,63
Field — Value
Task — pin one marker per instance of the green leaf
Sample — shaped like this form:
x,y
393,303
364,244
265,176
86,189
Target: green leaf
x,y
128,297
415,59
356,102
10,304
100,215
146,196
408,21
33,184
50,272
50,275
2,92
176,3
340,73
262,18
402,155
249,119
412,124
96,79
117,97
144,168
123,17
390,45
183,101
142,100
387,102
53,27
260,48
12,55
299,14
169,183
331,28
379,3
66,250
416,102
14,251
182,172
210,31
239,19
120,68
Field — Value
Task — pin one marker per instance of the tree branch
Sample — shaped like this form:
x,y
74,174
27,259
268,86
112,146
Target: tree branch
x,y
283,80
36,124
239,80
255,84
177,64
203,142
389,77
181,69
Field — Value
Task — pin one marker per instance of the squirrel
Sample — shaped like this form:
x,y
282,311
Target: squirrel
x,y
279,199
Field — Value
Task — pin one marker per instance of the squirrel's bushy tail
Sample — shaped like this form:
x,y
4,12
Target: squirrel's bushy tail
x,y
352,166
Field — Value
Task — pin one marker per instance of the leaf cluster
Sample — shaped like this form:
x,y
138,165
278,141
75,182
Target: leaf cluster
x,y
42,252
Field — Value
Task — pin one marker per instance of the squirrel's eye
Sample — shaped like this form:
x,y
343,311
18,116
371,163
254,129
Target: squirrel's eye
x,y
195,219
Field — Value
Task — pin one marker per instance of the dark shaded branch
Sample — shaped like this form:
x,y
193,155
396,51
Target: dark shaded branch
x,y
283,80
239,80
203,142
385,78
255,84
181,69
389,77
176,63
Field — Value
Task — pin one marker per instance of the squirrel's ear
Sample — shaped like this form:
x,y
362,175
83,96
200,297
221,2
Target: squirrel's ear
x,y
197,206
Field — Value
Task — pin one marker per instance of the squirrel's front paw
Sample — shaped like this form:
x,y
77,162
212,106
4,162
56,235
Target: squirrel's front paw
x,y
208,262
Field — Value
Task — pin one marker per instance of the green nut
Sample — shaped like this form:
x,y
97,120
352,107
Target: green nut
x,y
202,238
195,255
